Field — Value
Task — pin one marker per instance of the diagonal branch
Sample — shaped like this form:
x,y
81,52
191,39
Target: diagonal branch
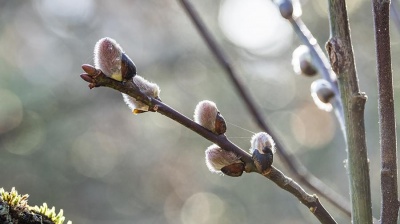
x,y
297,169
97,78
294,188
322,65
387,120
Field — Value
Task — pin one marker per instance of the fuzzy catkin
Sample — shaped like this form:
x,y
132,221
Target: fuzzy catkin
x,y
205,114
107,57
322,93
217,158
146,87
261,140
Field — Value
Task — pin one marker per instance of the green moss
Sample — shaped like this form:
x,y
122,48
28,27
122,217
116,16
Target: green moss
x,y
50,213
19,209
14,199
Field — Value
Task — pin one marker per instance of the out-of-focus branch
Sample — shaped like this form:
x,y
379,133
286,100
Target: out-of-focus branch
x,y
291,10
387,120
97,78
297,169
340,51
321,63
395,14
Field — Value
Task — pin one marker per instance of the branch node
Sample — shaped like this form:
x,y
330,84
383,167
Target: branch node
x,y
313,209
155,108
334,47
359,101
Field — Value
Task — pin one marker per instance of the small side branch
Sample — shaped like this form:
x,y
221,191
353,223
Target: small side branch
x,y
296,168
387,120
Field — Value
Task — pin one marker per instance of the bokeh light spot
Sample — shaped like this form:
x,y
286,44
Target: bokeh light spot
x,y
312,128
62,16
72,10
11,113
255,25
28,137
93,154
202,207
268,80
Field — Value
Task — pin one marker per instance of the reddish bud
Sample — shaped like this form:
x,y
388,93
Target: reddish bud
x,y
86,77
89,69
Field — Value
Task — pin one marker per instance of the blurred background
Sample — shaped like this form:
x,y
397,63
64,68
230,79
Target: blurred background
x,y
84,151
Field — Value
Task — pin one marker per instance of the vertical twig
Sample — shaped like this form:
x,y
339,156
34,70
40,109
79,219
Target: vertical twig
x,y
297,169
341,56
387,120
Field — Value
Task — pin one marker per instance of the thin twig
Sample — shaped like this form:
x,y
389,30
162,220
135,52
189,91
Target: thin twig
x,y
322,65
96,78
297,169
387,120
340,51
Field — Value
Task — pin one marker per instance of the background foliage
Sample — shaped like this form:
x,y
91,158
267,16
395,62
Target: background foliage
x,y
84,151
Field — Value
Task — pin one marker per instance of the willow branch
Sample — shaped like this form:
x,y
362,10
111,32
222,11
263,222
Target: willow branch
x,y
312,201
387,120
341,56
322,65
96,78
296,168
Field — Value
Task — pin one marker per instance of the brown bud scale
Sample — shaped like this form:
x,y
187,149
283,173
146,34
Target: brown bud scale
x,y
233,170
89,69
220,125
